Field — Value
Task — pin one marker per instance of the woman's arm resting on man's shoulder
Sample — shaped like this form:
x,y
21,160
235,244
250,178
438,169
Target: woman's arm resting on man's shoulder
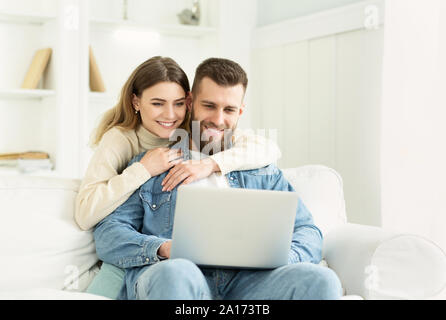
x,y
248,152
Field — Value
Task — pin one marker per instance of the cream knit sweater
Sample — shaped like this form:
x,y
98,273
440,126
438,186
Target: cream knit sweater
x,y
108,181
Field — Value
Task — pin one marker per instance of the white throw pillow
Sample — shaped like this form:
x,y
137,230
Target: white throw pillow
x,y
381,264
41,246
322,192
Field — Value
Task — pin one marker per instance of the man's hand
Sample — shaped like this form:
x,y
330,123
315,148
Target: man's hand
x,y
164,249
189,171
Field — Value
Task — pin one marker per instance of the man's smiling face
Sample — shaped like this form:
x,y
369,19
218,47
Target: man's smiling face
x,y
217,108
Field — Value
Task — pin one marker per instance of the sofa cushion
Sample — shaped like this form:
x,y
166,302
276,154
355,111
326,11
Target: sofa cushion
x,y
322,192
40,243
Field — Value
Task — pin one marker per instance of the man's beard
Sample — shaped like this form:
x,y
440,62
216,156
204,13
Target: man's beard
x,y
208,145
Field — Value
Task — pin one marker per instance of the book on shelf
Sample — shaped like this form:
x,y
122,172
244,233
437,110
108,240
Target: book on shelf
x,y
37,68
32,165
26,162
24,155
96,81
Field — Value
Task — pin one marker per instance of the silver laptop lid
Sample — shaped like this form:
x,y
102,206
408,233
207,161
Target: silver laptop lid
x,y
230,227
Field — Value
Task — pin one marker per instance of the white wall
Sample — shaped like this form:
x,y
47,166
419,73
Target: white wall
x,y
413,118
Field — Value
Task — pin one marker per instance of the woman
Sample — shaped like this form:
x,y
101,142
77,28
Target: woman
x,y
152,105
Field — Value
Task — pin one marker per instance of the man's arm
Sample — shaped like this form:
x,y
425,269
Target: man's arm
x,y
306,245
118,240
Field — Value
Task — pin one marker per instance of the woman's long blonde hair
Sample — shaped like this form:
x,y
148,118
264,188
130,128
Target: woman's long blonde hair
x,y
155,70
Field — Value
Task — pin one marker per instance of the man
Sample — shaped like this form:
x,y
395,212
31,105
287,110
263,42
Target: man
x,y
136,236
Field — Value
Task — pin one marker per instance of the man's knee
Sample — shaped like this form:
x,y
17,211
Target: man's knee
x,y
322,283
172,277
330,287
178,268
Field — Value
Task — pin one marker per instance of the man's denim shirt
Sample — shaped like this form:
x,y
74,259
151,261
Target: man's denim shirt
x,y
130,236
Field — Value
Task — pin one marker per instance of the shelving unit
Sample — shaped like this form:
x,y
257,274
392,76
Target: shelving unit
x,y
59,117
27,116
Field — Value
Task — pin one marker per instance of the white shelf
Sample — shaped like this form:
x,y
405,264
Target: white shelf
x,y
13,171
172,30
26,93
25,18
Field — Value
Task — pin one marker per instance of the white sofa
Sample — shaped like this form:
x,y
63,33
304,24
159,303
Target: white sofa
x,y
44,255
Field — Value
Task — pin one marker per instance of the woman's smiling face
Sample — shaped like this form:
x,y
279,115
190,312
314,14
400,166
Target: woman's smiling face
x,y
162,108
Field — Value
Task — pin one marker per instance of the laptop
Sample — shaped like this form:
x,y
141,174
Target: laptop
x,y
233,228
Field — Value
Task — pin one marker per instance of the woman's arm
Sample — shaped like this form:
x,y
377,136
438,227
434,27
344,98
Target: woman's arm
x,y
103,189
118,240
249,151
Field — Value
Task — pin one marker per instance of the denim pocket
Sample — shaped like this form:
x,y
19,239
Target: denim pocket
x,y
155,200
157,210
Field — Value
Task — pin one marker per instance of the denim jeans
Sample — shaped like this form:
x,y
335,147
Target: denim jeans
x,y
181,279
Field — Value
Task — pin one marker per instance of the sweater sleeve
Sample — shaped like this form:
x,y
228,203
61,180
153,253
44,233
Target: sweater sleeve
x,y
249,151
103,188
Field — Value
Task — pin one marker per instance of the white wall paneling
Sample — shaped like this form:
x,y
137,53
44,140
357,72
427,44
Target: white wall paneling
x,y
357,121
322,97
322,94
296,86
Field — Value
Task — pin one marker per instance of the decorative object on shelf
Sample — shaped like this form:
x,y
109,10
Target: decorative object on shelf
x,y
190,16
37,68
96,82
26,162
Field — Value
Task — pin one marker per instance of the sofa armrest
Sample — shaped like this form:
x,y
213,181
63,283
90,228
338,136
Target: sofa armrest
x,y
379,264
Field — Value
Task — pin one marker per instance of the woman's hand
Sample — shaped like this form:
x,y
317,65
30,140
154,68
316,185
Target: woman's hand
x,y
159,160
189,171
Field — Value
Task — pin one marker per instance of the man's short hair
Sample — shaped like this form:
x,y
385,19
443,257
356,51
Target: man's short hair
x,y
223,72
